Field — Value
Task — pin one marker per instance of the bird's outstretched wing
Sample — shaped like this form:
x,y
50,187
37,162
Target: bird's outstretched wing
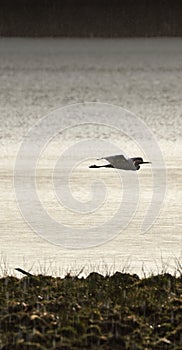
x,y
119,161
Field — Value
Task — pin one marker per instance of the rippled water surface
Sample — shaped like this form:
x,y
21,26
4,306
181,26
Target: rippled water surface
x,y
141,75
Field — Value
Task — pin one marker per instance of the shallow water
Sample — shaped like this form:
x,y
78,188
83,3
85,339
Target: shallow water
x,y
141,75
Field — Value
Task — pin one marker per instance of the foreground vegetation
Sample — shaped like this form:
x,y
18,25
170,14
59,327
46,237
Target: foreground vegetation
x,y
97,312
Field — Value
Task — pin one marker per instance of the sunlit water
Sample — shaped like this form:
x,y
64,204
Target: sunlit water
x,y
141,75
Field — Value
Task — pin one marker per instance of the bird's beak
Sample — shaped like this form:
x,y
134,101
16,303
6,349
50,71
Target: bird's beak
x,y
146,163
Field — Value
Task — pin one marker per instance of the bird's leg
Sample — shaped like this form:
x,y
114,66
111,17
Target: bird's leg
x,y
93,166
108,166
101,166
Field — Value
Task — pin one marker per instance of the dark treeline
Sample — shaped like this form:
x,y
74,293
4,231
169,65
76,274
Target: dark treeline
x,y
91,18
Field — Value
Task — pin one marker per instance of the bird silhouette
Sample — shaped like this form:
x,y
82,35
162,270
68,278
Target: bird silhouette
x,y
121,162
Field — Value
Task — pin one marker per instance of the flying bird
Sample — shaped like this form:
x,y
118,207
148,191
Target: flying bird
x,y
121,162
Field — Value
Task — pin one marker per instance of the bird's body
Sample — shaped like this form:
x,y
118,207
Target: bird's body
x,y
121,162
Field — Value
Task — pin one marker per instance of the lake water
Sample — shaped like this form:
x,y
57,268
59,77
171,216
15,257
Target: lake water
x,y
41,75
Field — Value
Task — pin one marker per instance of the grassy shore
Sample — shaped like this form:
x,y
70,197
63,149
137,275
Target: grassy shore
x,y
98,312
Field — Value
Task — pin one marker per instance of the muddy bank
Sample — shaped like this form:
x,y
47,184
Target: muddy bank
x,y
97,312
126,18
